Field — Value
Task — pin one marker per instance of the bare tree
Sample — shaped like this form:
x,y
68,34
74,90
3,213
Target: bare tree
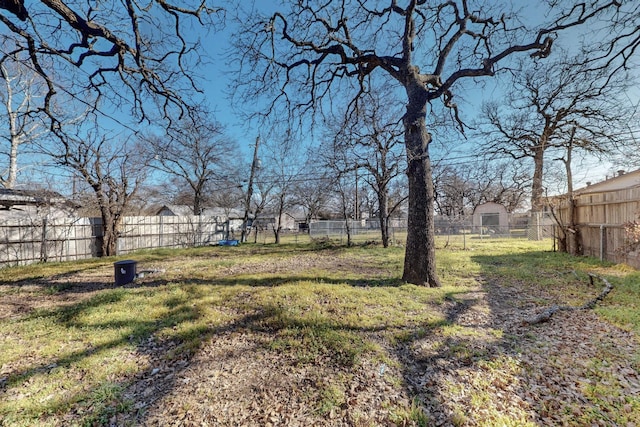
x,y
260,200
305,56
344,190
121,54
283,167
227,194
542,109
459,189
112,170
570,236
374,136
196,153
312,191
452,191
338,163
148,198
18,96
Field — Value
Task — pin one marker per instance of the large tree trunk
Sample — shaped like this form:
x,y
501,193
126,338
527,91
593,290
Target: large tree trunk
x,y
109,235
536,193
197,205
536,186
420,253
383,215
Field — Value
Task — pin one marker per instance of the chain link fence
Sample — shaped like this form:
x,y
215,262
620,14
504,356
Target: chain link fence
x,y
450,229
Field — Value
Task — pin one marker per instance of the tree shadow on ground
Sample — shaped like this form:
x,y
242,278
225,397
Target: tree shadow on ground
x,y
471,369
432,357
38,279
551,369
136,338
476,334
169,355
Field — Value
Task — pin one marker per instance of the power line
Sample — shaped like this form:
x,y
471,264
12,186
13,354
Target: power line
x,y
93,107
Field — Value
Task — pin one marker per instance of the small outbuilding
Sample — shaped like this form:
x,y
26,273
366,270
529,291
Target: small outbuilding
x,y
491,217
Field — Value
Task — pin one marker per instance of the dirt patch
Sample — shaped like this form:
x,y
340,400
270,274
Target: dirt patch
x,y
481,367
21,298
236,380
544,374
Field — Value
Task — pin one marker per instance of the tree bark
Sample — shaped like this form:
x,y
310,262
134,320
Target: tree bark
x,y
383,215
420,254
573,238
276,235
277,228
197,202
537,191
110,235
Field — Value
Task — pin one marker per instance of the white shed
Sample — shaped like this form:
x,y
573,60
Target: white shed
x,y
491,216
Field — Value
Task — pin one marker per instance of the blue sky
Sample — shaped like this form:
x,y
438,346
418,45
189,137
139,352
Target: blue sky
x,y
215,81
244,133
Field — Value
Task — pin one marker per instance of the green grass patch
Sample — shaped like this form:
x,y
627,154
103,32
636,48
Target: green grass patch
x,y
413,414
75,355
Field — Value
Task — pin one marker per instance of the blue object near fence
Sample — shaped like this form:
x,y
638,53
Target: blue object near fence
x,y
125,271
228,242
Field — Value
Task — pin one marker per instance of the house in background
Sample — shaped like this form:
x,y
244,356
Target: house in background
x,y
229,221
621,181
174,210
30,204
607,216
268,221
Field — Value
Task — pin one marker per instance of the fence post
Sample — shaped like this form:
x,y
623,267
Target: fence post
x,y
602,242
44,255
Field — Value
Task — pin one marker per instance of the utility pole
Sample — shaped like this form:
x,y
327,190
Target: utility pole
x,y
247,203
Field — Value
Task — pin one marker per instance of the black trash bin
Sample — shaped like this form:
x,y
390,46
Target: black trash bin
x,y
125,271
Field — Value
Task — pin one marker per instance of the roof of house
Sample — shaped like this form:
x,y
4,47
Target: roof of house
x,y
621,181
10,197
184,210
177,210
489,206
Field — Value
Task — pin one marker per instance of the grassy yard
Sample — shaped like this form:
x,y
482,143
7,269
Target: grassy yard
x,y
319,334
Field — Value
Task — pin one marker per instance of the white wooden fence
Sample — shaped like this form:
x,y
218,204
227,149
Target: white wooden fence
x,y
31,240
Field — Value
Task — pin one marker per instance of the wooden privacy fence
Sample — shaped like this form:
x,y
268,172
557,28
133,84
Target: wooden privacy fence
x,y
65,239
600,218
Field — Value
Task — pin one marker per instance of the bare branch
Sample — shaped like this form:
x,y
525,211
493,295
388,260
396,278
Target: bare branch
x,y
90,55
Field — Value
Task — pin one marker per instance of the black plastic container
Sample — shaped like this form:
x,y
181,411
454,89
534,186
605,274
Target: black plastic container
x,y
125,271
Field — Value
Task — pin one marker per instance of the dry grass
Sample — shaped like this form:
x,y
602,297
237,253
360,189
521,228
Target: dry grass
x,y
307,334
